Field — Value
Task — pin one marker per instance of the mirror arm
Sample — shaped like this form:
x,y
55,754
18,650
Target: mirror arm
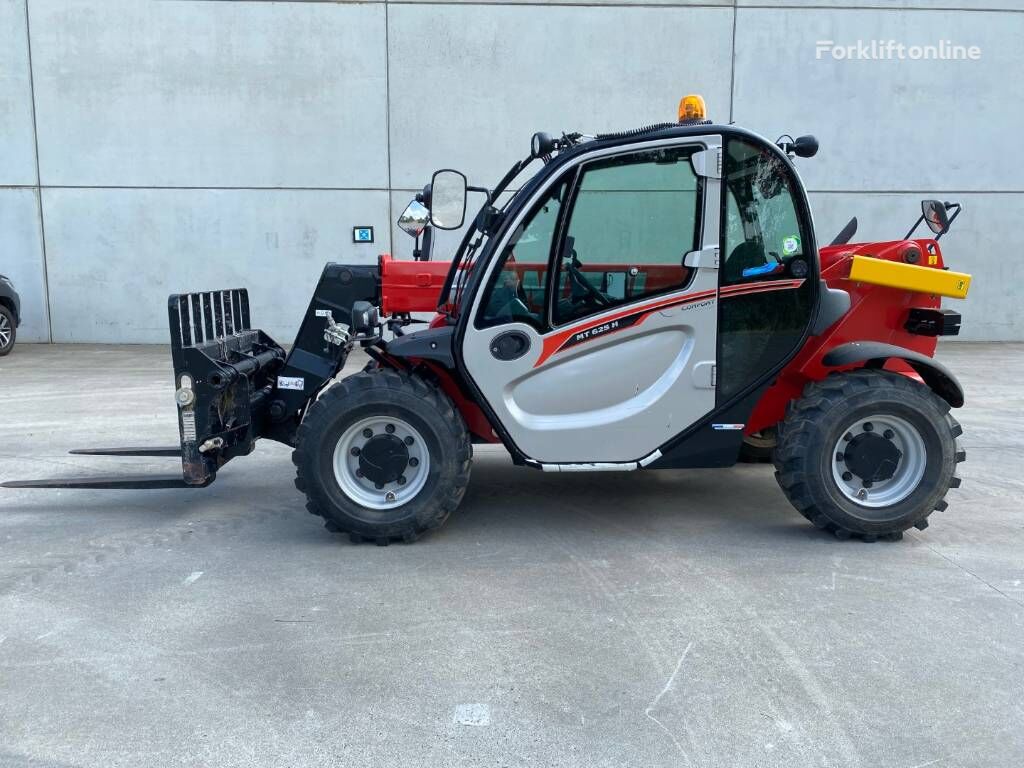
x,y
913,229
484,190
423,253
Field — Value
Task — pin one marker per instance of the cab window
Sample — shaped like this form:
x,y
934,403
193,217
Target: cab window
x,y
517,291
633,220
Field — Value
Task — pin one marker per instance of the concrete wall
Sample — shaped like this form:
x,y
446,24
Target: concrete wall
x,y
156,146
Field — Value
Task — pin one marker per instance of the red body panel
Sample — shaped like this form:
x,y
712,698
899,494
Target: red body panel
x,y
876,313
410,286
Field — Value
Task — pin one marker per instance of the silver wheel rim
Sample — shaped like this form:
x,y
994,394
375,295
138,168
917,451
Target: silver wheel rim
x,y
5,331
362,490
909,470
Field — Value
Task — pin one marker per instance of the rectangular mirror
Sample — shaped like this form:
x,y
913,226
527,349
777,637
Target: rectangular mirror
x,y
448,199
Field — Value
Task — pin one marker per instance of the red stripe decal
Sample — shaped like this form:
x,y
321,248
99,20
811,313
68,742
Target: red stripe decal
x,y
560,340
773,285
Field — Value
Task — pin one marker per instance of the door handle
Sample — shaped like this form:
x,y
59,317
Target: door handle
x,y
510,345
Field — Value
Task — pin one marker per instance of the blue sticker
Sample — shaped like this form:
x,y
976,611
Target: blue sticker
x,y
362,234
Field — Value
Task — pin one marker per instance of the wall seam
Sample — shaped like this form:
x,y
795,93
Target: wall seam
x,y
39,179
777,6
387,120
922,191
732,61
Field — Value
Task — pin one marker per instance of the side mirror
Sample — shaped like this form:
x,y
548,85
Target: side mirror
x,y
934,213
414,219
448,199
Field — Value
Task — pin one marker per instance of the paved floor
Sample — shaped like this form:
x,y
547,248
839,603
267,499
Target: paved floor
x,y
661,619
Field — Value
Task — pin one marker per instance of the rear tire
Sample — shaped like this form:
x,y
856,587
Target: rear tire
x,y
868,453
8,331
383,457
758,447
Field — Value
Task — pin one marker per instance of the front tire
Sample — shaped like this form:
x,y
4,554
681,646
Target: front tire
x,y
383,457
868,453
8,331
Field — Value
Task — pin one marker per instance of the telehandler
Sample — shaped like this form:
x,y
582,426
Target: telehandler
x,y
650,299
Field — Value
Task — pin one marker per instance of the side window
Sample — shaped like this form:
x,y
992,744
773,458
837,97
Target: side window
x,y
633,220
517,291
762,231
765,241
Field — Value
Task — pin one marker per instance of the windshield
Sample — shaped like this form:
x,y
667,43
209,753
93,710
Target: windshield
x,y
464,258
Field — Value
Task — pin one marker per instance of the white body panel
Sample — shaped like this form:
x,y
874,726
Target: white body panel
x,y
636,375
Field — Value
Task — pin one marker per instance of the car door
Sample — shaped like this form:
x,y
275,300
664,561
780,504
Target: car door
x,y
593,337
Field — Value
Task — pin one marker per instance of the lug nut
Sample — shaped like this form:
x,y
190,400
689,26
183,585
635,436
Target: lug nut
x,y
848,437
409,440
367,433
888,434
414,462
359,472
840,457
401,479
847,476
390,429
868,483
869,427
355,451
379,486
862,494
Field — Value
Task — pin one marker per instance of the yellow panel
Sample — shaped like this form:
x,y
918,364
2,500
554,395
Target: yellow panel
x,y
910,277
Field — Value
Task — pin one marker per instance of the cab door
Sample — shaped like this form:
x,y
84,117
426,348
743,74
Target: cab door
x,y
594,335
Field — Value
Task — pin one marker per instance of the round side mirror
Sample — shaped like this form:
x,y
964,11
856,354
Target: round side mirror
x,y
934,212
414,219
448,199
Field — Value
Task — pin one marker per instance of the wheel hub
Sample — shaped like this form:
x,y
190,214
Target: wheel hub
x,y
381,462
879,461
383,458
872,457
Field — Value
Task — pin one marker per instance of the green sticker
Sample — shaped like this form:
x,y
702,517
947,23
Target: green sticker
x,y
790,245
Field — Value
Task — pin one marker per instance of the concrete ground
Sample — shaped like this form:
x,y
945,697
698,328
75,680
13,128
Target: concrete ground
x,y
684,618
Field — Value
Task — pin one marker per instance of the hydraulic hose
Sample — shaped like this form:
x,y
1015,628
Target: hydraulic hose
x,y
647,129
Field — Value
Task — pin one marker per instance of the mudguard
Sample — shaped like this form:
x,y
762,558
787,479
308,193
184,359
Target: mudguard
x,y
874,354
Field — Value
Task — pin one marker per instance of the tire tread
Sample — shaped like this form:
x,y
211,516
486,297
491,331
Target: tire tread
x,y
449,495
796,432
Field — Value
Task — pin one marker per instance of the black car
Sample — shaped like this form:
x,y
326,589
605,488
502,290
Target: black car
x,y
10,315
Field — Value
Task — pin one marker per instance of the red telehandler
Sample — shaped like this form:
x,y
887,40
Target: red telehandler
x,y
651,299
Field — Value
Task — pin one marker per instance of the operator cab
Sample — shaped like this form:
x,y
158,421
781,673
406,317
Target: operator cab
x,y
670,271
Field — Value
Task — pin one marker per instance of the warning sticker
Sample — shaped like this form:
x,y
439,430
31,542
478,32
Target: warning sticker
x,y
291,382
790,245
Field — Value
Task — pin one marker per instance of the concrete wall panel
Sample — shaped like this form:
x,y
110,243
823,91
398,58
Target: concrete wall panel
x,y
17,145
725,3
133,93
21,259
889,5
115,255
887,125
471,84
975,244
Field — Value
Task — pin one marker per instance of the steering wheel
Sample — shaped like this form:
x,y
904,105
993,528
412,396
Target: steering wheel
x,y
590,294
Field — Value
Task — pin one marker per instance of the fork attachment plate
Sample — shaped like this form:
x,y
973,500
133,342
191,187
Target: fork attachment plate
x,y
224,374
